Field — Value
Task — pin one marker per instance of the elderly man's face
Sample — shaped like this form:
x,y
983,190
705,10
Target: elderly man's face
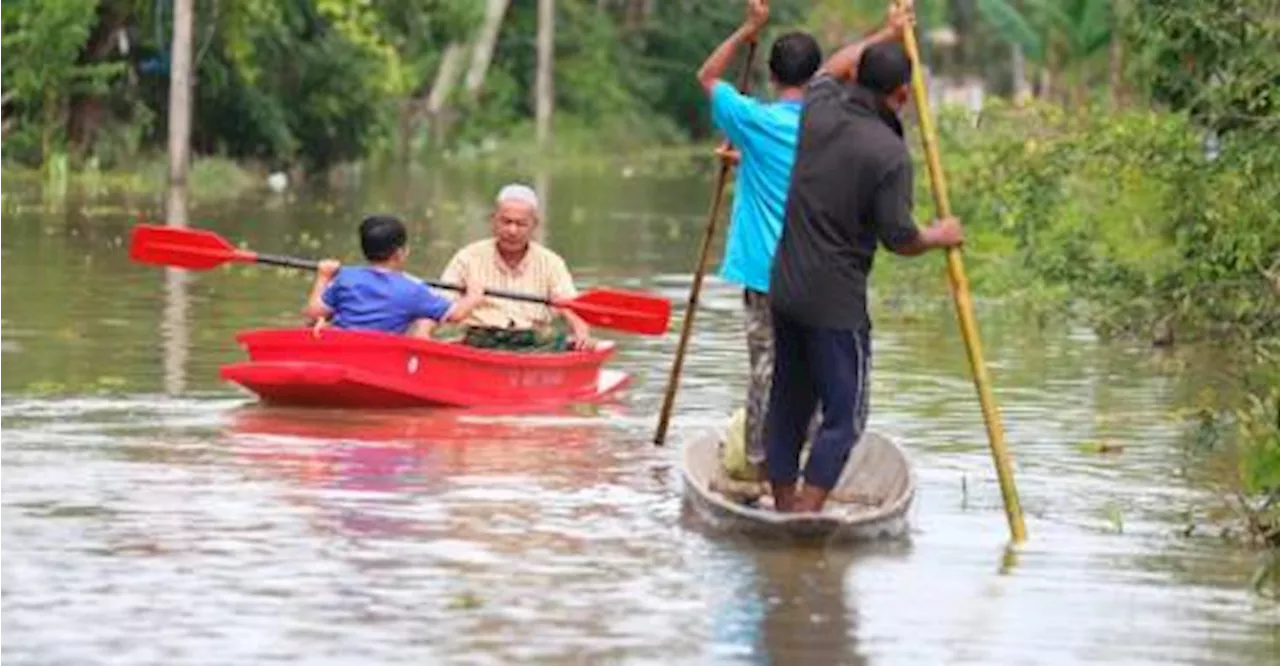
x,y
513,225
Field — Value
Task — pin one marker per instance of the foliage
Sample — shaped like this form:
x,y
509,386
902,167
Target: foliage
x,y
294,83
664,55
42,42
1258,431
314,83
1248,429
1259,423
1126,212
1056,34
1213,58
1081,27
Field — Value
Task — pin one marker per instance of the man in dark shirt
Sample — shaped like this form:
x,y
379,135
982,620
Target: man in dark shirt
x,y
850,188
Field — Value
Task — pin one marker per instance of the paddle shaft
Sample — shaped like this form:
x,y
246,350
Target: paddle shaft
x,y
307,264
963,302
695,292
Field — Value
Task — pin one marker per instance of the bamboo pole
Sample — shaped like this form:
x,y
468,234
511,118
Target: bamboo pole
x,y
717,197
960,293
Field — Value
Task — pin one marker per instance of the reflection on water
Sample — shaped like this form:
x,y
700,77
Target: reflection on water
x,y
176,336
788,605
143,498
175,327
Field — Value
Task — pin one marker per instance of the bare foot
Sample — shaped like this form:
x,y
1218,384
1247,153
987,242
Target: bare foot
x,y
810,499
784,496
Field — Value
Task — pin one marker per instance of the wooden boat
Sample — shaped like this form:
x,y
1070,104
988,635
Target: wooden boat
x,y
366,369
870,501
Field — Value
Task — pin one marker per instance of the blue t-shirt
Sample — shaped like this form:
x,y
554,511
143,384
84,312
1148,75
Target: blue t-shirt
x,y
765,134
368,298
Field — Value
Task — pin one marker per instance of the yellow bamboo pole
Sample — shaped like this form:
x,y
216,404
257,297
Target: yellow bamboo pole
x,y
963,302
709,232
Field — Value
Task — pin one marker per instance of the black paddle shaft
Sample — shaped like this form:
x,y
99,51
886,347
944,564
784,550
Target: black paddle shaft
x,y
307,264
288,262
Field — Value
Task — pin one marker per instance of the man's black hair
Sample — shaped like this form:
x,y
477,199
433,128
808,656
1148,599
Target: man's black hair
x,y
884,68
381,236
794,58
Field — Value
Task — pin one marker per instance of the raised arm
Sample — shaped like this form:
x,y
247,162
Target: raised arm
x,y
713,67
843,64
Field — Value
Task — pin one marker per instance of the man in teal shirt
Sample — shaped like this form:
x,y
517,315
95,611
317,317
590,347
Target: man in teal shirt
x,y
764,136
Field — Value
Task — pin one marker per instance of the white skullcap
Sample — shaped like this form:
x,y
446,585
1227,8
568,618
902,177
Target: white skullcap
x,y
518,192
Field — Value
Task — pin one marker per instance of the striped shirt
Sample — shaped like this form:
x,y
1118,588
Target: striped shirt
x,y
541,273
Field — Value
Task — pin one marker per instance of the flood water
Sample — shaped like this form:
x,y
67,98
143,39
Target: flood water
x,y
153,515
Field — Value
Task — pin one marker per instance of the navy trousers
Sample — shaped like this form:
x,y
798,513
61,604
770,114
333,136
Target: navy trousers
x,y
812,365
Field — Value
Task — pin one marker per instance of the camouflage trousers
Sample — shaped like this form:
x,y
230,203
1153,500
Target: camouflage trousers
x,y
516,339
758,318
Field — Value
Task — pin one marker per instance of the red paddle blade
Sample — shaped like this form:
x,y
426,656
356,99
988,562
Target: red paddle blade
x,y
623,310
194,249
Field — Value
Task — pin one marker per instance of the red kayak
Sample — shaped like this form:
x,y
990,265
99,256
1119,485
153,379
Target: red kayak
x,y
366,369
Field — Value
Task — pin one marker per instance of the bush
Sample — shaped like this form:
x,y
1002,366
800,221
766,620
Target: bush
x,y
1125,212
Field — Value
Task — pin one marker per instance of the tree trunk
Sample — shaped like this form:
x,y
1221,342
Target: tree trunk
x,y
637,12
544,87
8,121
88,111
446,79
486,40
1021,86
1115,72
180,94
50,121
1046,82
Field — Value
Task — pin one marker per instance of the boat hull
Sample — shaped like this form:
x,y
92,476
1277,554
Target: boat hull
x,y
870,502
358,369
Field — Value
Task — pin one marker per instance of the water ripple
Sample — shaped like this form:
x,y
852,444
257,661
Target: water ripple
x,y
151,515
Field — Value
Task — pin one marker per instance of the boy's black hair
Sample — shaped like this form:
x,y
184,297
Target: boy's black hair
x,y
381,236
794,58
884,68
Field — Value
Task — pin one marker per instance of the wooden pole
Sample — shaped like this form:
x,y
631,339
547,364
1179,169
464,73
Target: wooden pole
x,y
717,196
180,93
543,85
963,303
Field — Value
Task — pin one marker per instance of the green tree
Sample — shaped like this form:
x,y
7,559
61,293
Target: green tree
x,y
1061,36
42,43
1214,58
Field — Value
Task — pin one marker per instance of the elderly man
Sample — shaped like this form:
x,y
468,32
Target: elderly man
x,y
512,261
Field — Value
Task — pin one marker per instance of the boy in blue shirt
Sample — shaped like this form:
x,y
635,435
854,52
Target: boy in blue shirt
x,y
764,135
381,296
